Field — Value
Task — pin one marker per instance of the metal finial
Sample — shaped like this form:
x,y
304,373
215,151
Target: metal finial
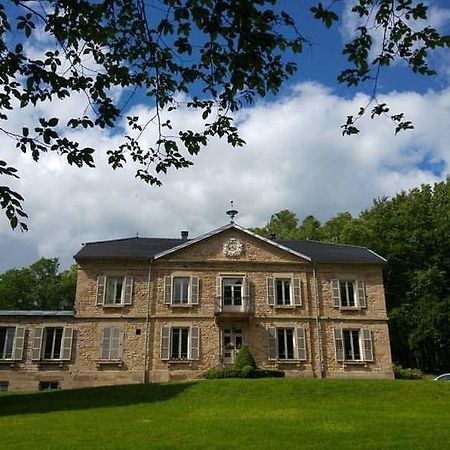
x,y
232,212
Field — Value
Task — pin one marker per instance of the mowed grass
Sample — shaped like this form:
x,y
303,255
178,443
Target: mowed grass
x,y
229,414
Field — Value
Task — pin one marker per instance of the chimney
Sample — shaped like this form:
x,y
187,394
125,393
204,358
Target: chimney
x,y
184,235
273,236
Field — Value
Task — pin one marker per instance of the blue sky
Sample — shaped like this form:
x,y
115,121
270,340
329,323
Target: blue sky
x,y
295,156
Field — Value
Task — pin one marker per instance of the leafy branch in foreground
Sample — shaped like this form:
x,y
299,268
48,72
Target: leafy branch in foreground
x,y
223,54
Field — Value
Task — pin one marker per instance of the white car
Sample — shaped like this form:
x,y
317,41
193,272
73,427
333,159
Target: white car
x,y
443,377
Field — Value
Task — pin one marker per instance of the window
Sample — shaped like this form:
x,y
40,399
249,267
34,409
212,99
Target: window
x,y
179,343
7,342
348,293
52,343
353,344
352,349
180,290
4,386
111,344
285,340
232,291
114,290
283,292
48,385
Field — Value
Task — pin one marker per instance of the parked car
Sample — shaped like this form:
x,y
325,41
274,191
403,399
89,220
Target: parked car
x,y
443,377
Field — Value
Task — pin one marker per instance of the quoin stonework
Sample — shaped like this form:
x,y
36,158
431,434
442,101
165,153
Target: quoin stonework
x,y
154,310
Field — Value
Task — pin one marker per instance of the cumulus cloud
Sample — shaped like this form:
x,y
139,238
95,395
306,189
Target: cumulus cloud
x,y
295,158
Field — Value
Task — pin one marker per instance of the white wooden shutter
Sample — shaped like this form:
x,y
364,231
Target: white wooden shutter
x,y
271,291
367,344
301,344
336,293
168,290
272,343
105,343
297,290
195,343
195,290
361,294
19,340
36,349
128,293
101,288
165,343
219,294
115,352
66,353
338,344
247,292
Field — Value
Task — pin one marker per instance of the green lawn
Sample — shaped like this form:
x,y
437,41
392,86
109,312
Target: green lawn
x,y
228,414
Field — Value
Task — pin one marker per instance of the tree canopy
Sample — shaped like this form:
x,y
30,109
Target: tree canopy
x,y
223,53
411,230
41,286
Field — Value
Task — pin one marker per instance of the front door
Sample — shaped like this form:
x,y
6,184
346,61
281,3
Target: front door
x,y
232,341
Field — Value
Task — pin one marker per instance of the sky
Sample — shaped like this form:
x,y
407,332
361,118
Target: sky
x,y
295,157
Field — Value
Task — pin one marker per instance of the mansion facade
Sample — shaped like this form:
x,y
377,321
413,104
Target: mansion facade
x,y
155,310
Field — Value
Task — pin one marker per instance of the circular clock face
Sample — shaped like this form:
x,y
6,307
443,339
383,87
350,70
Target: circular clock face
x,y
233,247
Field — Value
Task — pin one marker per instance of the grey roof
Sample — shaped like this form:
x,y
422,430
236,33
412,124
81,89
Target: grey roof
x,y
37,313
148,248
334,253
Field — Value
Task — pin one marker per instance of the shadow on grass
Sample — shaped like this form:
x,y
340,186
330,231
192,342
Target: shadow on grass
x,y
100,397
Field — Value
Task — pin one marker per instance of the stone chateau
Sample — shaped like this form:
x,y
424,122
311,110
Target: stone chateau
x,y
153,310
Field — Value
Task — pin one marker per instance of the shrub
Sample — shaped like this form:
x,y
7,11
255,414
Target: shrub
x,y
216,374
244,358
407,374
247,372
261,373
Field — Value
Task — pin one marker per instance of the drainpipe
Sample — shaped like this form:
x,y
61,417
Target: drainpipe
x,y
318,323
147,326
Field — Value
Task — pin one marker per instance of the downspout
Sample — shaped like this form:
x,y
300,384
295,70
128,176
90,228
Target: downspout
x,y
318,323
147,326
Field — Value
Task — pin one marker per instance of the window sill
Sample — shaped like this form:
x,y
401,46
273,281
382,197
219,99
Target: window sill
x,y
350,308
285,306
181,305
8,362
179,361
109,362
114,306
355,363
289,361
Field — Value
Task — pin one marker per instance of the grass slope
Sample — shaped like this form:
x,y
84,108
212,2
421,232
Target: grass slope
x,y
227,414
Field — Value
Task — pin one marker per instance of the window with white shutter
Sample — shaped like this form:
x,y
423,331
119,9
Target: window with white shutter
x,y
338,344
367,344
195,290
36,348
301,344
111,343
348,294
165,343
114,290
271,343
271,291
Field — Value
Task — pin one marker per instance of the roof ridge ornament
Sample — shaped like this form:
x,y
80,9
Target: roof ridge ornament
x,y
232,212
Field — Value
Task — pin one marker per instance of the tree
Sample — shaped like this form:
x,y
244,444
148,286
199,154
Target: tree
x,y
282,225
40,286
224,53
411,230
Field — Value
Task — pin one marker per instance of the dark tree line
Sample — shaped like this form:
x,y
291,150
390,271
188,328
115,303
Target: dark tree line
x,y
41,287
411,230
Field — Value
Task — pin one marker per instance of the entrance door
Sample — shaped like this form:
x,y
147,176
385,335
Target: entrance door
x,y
232,341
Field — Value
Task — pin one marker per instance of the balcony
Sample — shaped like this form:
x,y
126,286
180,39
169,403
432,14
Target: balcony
x,y
243,310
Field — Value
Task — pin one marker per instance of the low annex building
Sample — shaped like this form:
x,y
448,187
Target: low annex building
x,y
154,310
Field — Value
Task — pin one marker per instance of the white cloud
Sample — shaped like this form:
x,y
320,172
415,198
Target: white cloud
x,y
295,158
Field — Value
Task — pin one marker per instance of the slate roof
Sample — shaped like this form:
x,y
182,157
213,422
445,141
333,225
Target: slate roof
x,y
148,248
